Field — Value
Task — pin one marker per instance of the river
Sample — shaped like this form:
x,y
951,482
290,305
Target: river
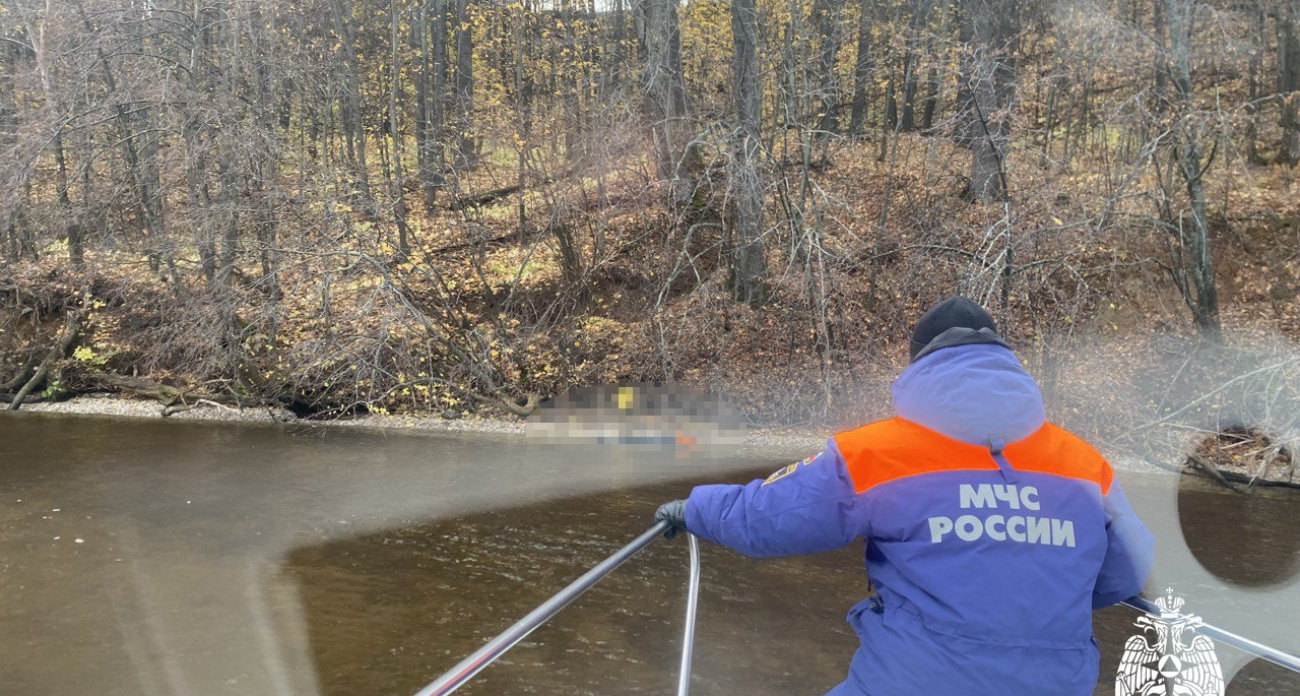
x,y
158,558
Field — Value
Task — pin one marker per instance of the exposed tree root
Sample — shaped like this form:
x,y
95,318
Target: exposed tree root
x,y
182,408
71,327
174,399
522,410
1228,478
1200,463
18,379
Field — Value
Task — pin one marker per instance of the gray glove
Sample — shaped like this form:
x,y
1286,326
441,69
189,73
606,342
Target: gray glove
x,y
673,513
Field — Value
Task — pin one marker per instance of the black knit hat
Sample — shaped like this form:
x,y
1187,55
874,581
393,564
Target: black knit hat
x,y
952,322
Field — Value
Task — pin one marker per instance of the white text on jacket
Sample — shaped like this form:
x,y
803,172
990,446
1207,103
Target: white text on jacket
x,y
1023,529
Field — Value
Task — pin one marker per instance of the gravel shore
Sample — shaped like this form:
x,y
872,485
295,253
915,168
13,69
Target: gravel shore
x,y
769,441
762,442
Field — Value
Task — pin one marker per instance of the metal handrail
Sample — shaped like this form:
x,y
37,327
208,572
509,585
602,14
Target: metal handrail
x,y
455,677
1277,657
484,656
688,637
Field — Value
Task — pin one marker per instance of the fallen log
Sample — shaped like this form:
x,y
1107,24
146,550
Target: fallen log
x,y
174,399
476,200
141,387
18,379
1228,478
183,407
71,327
482,199
476,244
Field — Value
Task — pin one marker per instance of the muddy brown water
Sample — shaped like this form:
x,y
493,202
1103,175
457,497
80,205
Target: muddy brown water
x,y
142,558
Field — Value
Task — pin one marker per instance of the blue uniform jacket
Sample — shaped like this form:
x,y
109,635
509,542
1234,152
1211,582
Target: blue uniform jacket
x,y
990,535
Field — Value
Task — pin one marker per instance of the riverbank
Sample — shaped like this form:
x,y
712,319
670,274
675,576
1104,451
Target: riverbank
x,y
793,442
764,442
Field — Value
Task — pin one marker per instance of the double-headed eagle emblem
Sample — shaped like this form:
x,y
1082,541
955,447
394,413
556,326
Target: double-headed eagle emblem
x,y
1169,658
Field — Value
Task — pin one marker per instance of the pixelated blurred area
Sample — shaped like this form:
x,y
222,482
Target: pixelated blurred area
x,y
648,414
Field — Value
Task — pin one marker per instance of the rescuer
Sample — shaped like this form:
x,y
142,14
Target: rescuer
x,y
991,534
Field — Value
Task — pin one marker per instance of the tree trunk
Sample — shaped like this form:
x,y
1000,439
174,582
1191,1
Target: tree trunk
x,y
932,78
230,217
751,263
1252,104
891,98
993,28
354,132
907,115
198,203
911,59
466,151
524,88
861,69
678,82
664,103
791,80
572,78
931,104
423,170
76,247
437,37
615,65
76,251
1193,234
265,164
398,193
826,17
1288,68
9,52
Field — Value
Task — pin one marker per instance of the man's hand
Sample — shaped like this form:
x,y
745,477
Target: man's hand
x,y
673,513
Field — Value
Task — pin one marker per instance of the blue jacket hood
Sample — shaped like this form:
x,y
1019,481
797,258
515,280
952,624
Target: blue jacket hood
x,y
975,393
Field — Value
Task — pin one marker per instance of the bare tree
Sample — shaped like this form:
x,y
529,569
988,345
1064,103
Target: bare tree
x,y
862,66
398,194
991,90
1288,80
138,142
466,147
433,88
34,23
354,135
664,102
746,187
826,16
920,18
1193,264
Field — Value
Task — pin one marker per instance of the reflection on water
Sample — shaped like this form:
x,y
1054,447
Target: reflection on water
x,y
174,559
1265,556
1263,677
424,596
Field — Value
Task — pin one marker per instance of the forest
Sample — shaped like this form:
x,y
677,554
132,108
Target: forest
x,y
468,206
